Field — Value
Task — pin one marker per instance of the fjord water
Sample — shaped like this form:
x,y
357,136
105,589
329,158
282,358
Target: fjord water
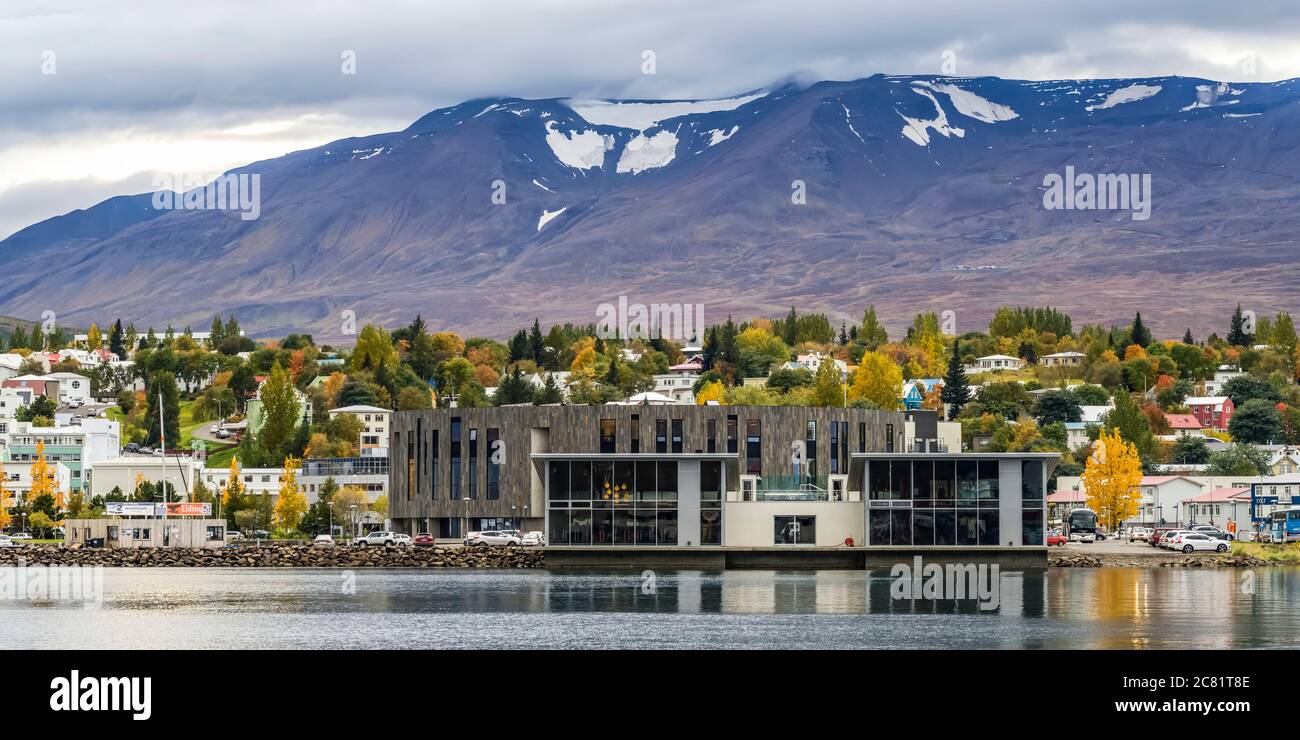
x,y
266,608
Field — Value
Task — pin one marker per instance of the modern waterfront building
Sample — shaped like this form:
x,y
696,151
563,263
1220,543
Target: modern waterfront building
x,y
77,447
370,474
688,476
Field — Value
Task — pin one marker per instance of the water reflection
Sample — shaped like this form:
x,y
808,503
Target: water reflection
x,y
1093,608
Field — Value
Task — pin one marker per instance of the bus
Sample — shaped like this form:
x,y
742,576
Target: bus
x,y
1284,526
1081,525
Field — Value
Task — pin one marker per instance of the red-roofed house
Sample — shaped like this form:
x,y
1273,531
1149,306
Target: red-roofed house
x,y
1220,507
1061,503
1185,424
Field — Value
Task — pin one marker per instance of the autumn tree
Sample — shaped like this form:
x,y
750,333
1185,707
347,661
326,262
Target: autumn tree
x,y
232,495
877,380
828,385
1112,477
291,504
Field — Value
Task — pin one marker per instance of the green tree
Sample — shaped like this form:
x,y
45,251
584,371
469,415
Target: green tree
x,y
1057,406
1237,334
828,385
1127,418
1190,450
281,411
1256,421
163,385
1238,459
956,389
1139,334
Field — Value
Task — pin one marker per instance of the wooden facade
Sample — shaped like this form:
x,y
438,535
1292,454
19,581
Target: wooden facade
x,y
420,479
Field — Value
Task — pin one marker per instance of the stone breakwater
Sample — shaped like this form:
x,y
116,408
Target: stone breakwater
x,y
279,556
1153,560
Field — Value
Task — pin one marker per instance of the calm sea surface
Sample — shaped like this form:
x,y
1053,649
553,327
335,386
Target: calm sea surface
x,y
274,609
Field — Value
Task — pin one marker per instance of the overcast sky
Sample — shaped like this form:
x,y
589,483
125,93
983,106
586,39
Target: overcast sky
x,y
145,86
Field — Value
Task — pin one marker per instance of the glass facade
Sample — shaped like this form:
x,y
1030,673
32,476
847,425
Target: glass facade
x,y
495,458
612,502
711,496
937,502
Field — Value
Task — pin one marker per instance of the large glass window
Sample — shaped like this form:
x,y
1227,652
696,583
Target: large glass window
x,y
967,480
677,436
923,482
945,527
900,483
731,434
945,482
1031,482
433,467
988,527
878,480
1031,521
580,481
559,534
900,522
922,527
988,481
557,473
711,434
602,524
810,450
878,526
580,527
636,433
711,502
968,527
710,526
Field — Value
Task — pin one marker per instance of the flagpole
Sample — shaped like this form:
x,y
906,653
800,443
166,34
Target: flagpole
x,y
162,445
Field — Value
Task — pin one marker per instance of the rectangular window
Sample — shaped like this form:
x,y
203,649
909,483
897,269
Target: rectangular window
x,y
433,468
753,447
494,464
889,438
810,449
732,431
677,436
455,458
661,436
835,448
794,530
636,433
473,463
711,433
608,432
844,447
862,436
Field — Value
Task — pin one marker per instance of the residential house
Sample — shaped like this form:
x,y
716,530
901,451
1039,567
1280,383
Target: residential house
x,y
812,362
1221,377
1223,507
1213,412
990,363
1284,461
18,483
74,446
1063,359
915,391
1183,424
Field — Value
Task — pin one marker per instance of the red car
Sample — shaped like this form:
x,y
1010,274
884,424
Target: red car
x,y
424,539
1054,538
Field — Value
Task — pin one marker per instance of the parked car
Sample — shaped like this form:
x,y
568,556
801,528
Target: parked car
x,y
1170,539
233,536
221,432
20,536
533,539
7,541
469,536
1157,533
383,539
131,447
424,539
261,534
1212,531
1192,541
323,540
1055,539
484,539
1136,534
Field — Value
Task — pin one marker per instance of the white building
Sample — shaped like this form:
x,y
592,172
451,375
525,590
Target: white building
x,y
76,446
989,363
1063,359
72,387
676,386
373,440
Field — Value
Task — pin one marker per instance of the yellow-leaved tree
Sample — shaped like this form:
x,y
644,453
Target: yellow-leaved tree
x,y
713,390
5,503
291,504
233,494
43,481
1111,478
877,380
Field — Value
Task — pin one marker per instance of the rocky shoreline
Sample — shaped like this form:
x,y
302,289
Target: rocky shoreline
x,y
278,556
1155,560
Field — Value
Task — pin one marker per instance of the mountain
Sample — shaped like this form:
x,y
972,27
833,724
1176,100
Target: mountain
x,y
922,193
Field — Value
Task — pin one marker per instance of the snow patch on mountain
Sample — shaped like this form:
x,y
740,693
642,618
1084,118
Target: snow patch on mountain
x,y
717,136
548,215
969,104
917,129
643,116
578,149
543,187
1130,94
647,152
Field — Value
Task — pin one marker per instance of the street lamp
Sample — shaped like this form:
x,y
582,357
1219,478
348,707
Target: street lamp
x,y
355,522
330,504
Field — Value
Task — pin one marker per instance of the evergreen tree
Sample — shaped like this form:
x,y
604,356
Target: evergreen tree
x,y
790,328
536,345
1187,337
550,392
1139,334
844,334
956,390
163,383
513,389
519,347
709,349
1237,335
872,334
217,333
117,340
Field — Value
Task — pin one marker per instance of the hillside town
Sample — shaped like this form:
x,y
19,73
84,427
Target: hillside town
x,y
287,438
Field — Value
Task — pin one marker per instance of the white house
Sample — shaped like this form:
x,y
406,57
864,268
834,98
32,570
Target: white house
x,y
677,387
812,362
990,363
72,387
1063,359
1221,376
